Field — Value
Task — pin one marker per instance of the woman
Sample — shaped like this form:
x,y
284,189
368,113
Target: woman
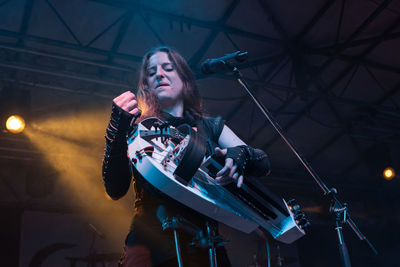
x,y
167,89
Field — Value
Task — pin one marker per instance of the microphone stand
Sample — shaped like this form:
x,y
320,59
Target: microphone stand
x,y
337,208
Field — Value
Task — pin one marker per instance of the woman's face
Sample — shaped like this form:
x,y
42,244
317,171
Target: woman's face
x,y
163,78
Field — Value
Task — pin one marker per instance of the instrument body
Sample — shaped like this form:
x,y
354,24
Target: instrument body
x,y
175,161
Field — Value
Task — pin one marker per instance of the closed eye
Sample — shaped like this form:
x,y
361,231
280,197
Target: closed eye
x,y
165,66
168,67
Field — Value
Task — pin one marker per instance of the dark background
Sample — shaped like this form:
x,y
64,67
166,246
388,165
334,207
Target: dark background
x,y
327,70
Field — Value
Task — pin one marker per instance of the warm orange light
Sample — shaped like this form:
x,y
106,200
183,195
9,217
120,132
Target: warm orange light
x,y
15,124
389,173
107,196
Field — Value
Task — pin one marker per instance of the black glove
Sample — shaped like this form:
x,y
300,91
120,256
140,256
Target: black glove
x,y
240,157
249,161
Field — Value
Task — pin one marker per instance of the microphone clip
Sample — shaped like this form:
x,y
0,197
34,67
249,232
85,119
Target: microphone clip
x,y
223,63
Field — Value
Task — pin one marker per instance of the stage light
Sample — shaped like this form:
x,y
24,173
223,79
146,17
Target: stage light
x,y
15,124
389,173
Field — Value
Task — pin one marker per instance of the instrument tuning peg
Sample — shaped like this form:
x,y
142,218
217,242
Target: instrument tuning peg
x,y
298,214
293,205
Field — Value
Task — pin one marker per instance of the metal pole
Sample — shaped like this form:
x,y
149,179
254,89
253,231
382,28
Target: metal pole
x,y
211,250
178,248
326,190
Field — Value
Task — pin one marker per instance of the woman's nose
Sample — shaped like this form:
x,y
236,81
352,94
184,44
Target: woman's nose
x,y
160,73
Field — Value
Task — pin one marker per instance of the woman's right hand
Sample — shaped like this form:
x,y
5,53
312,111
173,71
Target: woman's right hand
x,y
127,101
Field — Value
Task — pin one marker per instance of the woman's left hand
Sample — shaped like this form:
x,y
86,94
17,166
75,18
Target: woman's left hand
x,y
230,170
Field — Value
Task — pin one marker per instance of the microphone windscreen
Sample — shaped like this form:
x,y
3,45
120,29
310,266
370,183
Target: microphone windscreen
x,y
205,67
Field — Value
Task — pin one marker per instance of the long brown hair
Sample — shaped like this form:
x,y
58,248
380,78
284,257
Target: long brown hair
x,y
147,100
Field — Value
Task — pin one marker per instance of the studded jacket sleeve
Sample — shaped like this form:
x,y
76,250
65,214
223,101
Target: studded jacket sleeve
x,y
116,167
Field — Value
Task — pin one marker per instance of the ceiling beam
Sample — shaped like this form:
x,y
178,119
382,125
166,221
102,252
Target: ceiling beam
x,y
235,109
320,69
305,108
52,72
123,28
389,94
274,20
106,29
137,5
64,89
73,59
359,42
365,53
367,62
63,22
345,125
198,55
26,17
57,43
311,23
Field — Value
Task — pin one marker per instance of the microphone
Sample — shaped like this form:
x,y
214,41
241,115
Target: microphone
x,y
216,64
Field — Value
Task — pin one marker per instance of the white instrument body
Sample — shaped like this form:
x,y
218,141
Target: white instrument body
x,y
202,193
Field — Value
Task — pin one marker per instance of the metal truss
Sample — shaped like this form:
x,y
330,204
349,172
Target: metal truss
x,y
294,51
329,61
